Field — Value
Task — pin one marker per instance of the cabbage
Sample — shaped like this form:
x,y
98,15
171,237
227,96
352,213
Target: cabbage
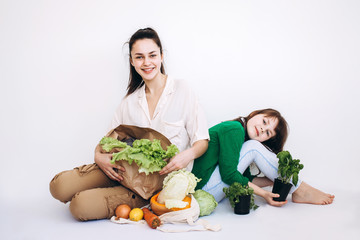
x,y
206,202
172,203
176,186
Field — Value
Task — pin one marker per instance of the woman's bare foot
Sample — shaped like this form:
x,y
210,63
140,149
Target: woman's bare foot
x,y
308,194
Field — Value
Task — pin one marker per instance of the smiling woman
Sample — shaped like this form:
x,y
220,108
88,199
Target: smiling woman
x,y
146,58
153,100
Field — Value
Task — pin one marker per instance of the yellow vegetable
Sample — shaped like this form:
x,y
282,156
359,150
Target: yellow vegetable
x,y
122,211
136,214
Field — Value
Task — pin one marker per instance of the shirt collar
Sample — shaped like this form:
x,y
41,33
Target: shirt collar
x,y
169,88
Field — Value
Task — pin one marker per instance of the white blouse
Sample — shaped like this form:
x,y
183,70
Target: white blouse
x,y
178,114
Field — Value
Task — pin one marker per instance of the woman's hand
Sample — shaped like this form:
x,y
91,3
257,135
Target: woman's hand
x,y
181,160
103,161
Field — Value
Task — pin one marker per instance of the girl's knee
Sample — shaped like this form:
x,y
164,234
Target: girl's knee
x,y
255,149
252,145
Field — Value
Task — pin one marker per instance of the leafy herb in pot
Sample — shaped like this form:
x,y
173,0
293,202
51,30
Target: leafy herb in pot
x,y
237,193
288,170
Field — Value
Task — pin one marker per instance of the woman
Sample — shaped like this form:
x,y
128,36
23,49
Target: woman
x,y
153,100
224,163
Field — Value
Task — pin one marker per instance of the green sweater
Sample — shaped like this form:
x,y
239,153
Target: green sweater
x,y
226,140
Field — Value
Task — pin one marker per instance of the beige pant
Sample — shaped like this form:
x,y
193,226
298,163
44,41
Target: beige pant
x,y
92,194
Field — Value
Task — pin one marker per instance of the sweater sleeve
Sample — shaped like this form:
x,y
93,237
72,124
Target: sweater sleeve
x,y
230,143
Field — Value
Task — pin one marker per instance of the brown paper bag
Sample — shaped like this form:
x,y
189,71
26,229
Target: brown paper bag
x,y
140,183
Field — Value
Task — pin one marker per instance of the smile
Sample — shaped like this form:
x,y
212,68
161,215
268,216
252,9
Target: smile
x,y
148,70
257,132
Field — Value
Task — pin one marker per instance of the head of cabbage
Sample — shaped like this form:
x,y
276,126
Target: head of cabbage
x,y
206,202
176,186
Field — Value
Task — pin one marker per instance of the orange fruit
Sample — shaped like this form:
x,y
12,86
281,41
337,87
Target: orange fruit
x,y
136,214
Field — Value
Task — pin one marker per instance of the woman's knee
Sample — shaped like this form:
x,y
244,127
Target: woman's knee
x,y
101,203
66,184
87,206
59,189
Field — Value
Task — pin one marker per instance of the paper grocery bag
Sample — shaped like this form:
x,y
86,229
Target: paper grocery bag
x,y
144,185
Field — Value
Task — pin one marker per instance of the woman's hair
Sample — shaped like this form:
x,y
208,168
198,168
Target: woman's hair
x,y
135,80
277,142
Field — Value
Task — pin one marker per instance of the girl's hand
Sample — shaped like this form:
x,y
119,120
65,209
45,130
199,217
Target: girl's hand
x,y
268,196
103,161
269,199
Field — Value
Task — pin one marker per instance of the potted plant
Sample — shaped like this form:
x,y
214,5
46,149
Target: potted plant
x,y
288,169
241,198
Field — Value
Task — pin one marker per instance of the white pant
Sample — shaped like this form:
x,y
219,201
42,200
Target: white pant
x,y
251,151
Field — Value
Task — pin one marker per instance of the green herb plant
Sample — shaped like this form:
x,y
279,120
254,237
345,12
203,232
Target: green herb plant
x,y
236,190
288,167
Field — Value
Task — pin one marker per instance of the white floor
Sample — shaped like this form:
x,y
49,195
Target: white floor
x,y
46,218
65,68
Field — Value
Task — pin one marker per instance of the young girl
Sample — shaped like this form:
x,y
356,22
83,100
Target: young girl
x,y
154,100
224,163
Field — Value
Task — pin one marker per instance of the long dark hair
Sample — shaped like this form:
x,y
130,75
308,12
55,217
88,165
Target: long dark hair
x,y
135,80
277,142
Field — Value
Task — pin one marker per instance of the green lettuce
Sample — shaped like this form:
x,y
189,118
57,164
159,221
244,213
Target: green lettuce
x,y
147,154
108,143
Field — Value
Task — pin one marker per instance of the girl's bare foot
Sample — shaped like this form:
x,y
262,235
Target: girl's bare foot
x,y
308,194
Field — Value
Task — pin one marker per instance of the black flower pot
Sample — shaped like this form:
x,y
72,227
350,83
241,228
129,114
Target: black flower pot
x,y
243,206
282,189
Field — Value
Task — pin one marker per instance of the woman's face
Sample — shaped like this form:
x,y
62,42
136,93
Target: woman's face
x,y
261,128
146,58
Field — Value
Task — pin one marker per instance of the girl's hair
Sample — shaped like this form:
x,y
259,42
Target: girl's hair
x,y
135,80
276,143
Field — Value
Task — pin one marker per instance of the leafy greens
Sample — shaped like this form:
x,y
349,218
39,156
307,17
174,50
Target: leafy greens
x,y
289,168
108,143
147,154
235,190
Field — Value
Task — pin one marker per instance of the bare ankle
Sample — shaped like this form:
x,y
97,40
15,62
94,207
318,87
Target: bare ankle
x,y
308,194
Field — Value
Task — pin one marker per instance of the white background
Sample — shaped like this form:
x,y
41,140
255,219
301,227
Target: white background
x,y
64,69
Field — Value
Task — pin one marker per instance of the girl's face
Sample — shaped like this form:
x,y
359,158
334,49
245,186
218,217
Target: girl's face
x,y
146,58
261,128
